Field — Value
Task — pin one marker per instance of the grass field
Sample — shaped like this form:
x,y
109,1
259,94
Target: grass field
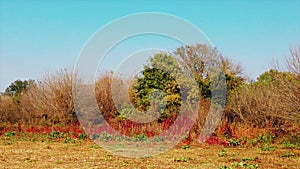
x,y
31,152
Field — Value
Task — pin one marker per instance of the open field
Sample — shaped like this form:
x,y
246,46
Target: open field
x,y
24,152
250,124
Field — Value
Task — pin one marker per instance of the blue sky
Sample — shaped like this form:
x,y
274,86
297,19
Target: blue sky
x,y
44,36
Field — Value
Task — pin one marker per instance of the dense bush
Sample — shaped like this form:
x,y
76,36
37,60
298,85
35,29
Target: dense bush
x,y
9,110
104,94
273,100
49,100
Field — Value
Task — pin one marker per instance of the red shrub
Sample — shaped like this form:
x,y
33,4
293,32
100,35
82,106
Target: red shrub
x,y
213,140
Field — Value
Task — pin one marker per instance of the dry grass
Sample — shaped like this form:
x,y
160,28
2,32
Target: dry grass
x,y
21,153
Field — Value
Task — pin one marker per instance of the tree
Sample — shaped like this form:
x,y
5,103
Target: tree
x,y
273,76
18,86
199,63
293,60
199,60
159,74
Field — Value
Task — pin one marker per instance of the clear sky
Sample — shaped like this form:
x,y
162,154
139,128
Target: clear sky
x,y
44,36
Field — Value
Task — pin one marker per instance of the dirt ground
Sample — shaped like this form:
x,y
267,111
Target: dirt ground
x,y
37,154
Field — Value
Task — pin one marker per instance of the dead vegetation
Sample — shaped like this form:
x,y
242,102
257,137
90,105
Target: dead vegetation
x,y
29,154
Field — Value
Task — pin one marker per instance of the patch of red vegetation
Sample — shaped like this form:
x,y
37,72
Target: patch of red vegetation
x,y
188,140
213,140
3,130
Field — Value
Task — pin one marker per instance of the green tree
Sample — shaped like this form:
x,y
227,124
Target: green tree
x,y
175,73
18,86
160,75
273,76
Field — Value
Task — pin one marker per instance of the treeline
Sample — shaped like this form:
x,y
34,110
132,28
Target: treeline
x,y
273,100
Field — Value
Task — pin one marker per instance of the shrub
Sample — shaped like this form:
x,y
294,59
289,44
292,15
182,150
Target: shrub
x,y
234,142
106,137
51,97
104,95
82,136
288,154
267,148
222,154
245,165
272,101
225,167
141,137
55,134
182,159
185,147
265,138
9,134
9,110
253,142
